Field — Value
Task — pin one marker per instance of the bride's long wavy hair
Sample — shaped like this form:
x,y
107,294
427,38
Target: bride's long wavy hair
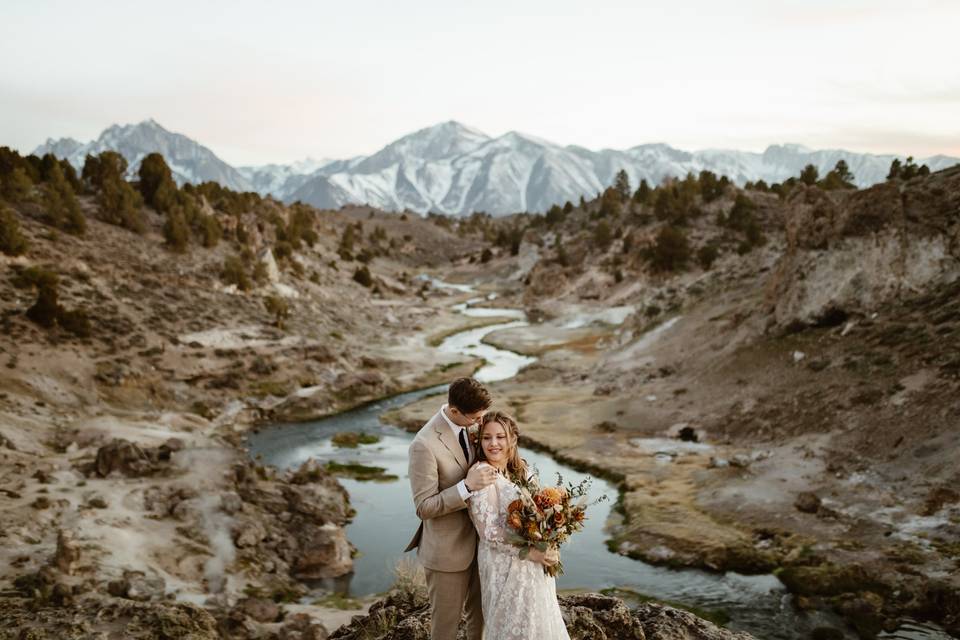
x,y
516,466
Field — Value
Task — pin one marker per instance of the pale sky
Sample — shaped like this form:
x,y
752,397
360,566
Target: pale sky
x,y
276,81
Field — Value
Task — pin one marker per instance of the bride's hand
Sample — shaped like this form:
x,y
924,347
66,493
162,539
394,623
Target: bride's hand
x,y
547,559
552,556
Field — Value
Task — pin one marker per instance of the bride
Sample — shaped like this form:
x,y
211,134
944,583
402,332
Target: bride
x,y
519,599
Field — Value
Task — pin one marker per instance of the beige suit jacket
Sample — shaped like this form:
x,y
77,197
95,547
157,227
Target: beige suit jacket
x,y
446,539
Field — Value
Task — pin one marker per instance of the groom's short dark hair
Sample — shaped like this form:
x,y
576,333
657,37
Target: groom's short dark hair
x,y
468,395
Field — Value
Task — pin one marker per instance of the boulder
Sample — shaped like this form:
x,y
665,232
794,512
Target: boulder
x,y
122,456
807,502
601,617
273,272
259,609
165,450
300,626
230,503
325,552
248,532
136,585
318,502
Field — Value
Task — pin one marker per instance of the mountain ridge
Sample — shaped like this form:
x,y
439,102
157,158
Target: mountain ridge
x,y
455,169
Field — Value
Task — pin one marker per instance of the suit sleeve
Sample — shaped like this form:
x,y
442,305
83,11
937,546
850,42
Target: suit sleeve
x,y
429,500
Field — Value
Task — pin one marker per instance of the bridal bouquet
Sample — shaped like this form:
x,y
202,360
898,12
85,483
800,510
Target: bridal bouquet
x,y
546,516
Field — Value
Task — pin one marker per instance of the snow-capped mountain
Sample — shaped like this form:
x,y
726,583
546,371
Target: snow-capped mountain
x,y
454,169
450,168
271,178
189,161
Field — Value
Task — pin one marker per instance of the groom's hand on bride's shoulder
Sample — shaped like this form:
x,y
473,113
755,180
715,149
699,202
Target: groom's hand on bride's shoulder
x,y
479,476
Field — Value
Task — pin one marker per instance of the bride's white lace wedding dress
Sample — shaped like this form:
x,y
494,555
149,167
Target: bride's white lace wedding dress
x,y
519,600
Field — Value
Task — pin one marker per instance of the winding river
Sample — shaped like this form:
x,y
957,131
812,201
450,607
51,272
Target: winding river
x,y
386,520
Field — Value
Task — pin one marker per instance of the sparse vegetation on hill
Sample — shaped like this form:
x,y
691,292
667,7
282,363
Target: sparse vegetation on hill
x,y
12,241
771,320
805,330
907,170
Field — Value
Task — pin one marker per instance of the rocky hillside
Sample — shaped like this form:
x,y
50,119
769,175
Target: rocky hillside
x,y
770,375
139,343
773,380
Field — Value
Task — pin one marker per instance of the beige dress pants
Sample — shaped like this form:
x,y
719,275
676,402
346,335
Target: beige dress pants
x,y
451,593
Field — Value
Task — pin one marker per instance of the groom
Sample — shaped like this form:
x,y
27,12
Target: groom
x,y
442,478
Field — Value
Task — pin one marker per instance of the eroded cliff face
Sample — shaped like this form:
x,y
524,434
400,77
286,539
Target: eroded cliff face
x,y
852,253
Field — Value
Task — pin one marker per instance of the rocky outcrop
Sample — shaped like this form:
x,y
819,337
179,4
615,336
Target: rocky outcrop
x,y
24,619
849,253
590,616
295,521
325,552
132,460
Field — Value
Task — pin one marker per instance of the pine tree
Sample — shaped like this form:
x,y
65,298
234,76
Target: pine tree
x,y
602,235
843,171
234,273
175,230
210,230
910,170
664,206
16,186
894,172
809,175
278,308
622,185
741,214
99,169
643,192
44,311
706,256
63,208
156,183
120,204
47,163
610,203
839,177
362,275
710,187
70,174
554,215
671,249
12,240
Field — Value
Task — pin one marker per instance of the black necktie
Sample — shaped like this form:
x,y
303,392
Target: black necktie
x,y
463,445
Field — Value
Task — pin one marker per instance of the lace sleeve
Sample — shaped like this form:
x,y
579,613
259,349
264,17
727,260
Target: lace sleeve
x,y
489,522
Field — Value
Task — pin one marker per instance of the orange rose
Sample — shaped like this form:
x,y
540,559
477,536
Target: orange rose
x,y
548,497
513,520
559,519
514,506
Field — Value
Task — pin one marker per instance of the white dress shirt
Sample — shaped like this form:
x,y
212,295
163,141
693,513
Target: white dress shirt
x,y
462,485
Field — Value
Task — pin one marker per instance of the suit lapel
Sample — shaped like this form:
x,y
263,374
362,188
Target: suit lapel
x,y
445,434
